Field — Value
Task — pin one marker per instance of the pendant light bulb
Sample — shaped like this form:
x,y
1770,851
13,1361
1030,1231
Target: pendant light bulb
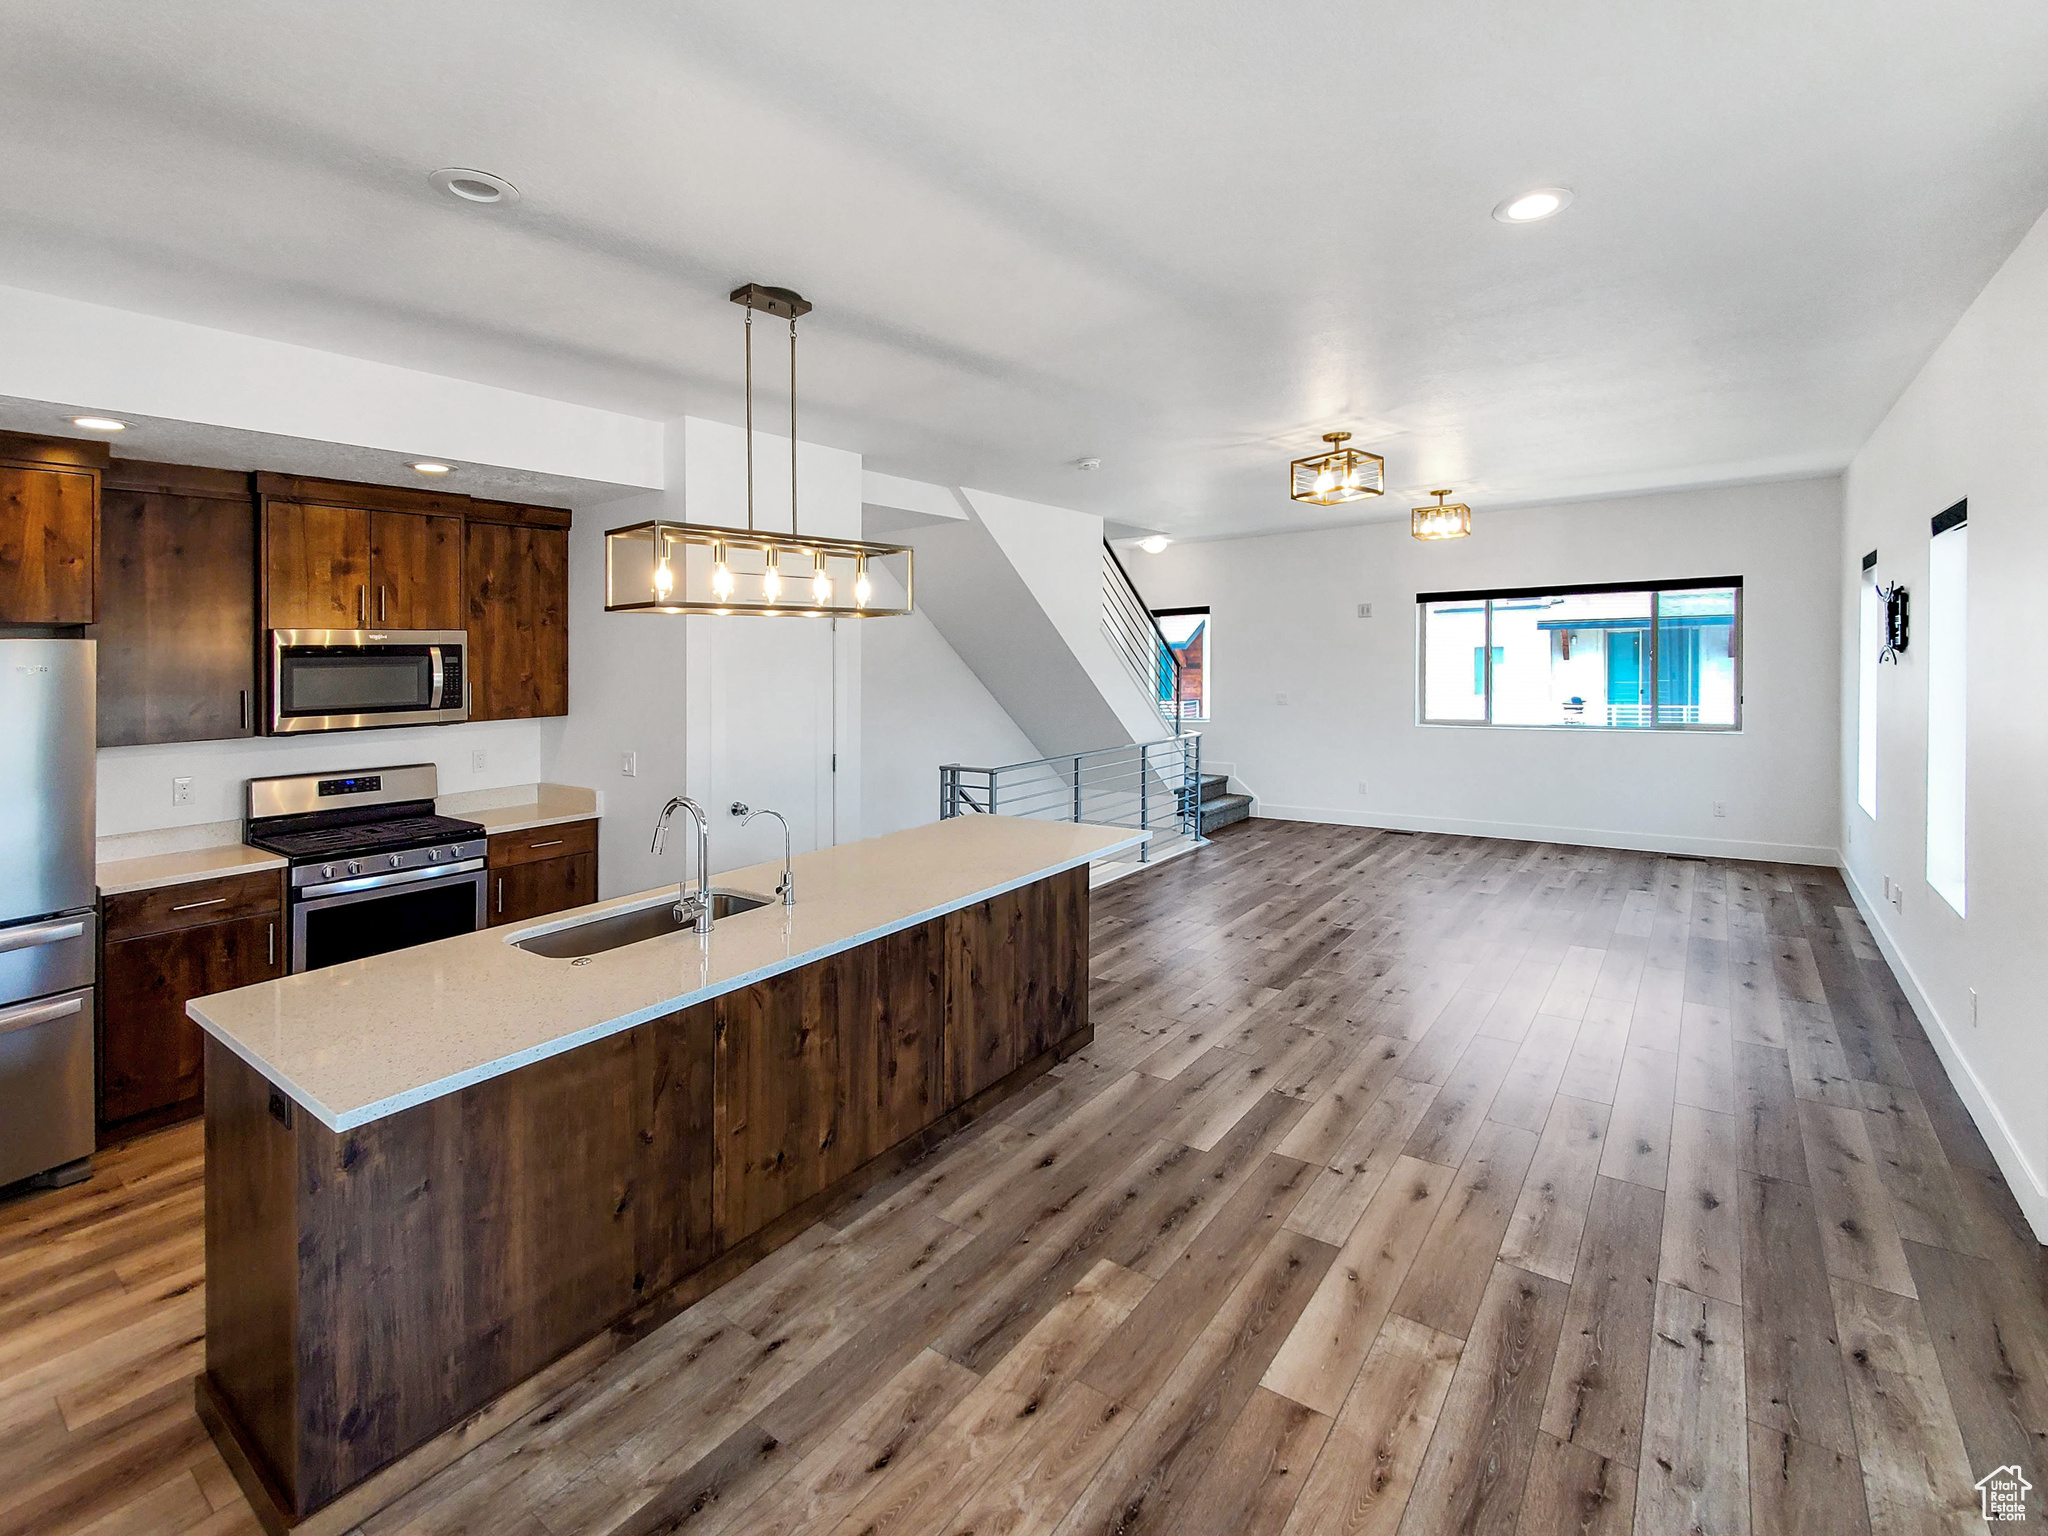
x,y
664,579
821,584
1326,481
721,574
863,589
771,580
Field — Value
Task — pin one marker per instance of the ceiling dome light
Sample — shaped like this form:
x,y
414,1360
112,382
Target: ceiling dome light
x,y
1154,545
1528,207
429,467
474,186
99,424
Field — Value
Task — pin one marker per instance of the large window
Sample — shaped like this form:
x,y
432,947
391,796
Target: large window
x,y
1616,656
1948,718
1188,636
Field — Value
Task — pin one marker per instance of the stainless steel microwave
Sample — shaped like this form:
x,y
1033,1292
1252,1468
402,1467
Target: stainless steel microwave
x,y
360,679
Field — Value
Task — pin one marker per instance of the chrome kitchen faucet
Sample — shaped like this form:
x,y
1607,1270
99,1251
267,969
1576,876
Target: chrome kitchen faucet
x,y
694,910
786,890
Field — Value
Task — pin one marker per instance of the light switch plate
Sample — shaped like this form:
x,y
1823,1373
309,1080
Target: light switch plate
x,y
629,764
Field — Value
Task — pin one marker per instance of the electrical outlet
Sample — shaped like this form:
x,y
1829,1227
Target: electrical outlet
x,y
1365,610
1720,807
1973,1007
476,761
629,764
1279,698
181,791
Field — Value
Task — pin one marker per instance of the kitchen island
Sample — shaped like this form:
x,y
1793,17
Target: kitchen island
x,y
444,1182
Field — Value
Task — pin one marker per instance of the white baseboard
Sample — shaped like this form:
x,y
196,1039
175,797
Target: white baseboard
x,y
2025,1181
1588,837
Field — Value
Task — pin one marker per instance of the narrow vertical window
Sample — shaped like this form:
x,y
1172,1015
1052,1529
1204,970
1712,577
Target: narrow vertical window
x,y
1869,641
1948,592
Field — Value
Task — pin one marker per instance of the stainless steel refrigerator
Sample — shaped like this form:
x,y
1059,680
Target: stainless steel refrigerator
x,y
49,928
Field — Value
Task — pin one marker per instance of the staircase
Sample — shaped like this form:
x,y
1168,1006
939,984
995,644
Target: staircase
x,y
1220,807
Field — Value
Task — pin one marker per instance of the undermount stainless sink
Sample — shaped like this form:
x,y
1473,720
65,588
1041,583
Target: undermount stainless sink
x,y
615,930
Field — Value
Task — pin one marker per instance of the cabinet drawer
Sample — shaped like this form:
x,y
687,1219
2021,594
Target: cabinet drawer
x,y
171,907
571,837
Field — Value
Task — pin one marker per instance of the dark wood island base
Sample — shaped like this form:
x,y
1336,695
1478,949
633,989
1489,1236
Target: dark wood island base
x,y
381,1300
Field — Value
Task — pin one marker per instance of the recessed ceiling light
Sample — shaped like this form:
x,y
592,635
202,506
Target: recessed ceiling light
x,y
474,186
429,467
99,424
1528,207
1155,545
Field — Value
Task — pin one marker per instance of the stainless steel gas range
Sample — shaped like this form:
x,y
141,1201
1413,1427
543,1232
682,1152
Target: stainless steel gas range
x,y
373,868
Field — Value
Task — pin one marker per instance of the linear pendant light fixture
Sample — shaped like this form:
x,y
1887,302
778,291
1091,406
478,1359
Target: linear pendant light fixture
x,y
689,567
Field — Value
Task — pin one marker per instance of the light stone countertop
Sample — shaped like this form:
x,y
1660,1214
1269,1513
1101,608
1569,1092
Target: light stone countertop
x,y
546,805
355,1042
117,877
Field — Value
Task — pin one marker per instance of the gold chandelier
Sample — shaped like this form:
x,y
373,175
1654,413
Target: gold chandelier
x,y
1340,475
1442,521
684,567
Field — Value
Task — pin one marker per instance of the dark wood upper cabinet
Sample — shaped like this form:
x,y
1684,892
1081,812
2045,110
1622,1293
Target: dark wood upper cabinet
x,y
49,530
517,615
177,625
316,566
415,571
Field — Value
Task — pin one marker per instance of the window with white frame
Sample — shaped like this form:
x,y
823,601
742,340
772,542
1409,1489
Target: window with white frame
x,y
1606,656
1948,716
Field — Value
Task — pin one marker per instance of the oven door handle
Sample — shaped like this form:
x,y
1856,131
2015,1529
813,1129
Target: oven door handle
x,y
437,678
396,877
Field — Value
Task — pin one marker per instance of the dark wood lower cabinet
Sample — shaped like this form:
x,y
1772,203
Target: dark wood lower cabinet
x,y
527,891
524,1223
161,953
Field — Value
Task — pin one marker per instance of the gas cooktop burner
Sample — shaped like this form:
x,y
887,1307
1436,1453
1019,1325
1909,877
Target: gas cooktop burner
x,y
355,840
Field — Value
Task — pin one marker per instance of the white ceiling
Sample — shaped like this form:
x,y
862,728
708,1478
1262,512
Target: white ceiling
x,y
1185,238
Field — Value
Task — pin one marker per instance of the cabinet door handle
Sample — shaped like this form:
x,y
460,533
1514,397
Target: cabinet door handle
x,y
382,607
363,605
501,895
553,842
193,906
242,706
270,950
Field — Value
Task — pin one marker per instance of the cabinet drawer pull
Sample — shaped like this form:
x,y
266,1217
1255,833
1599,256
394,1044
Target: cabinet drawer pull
x,y
193,906
553,842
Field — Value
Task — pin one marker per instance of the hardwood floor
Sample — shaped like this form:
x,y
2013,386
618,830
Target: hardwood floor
x,y
1412,1184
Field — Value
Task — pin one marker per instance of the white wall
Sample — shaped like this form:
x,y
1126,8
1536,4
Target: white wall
x,y
114,360
924,706
1346,747
135,782
1968,427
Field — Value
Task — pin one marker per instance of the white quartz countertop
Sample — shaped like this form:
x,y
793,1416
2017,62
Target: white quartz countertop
x,y
549,805
117,877
355,1042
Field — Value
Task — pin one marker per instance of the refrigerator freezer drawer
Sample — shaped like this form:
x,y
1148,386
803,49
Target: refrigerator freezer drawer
x,y
52,954
45,1083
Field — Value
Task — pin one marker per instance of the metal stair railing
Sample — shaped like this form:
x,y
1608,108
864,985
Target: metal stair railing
x,y
1137,638
1147,784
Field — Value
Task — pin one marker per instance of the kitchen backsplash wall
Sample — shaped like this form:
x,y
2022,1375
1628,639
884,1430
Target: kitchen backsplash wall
x,y
138,785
